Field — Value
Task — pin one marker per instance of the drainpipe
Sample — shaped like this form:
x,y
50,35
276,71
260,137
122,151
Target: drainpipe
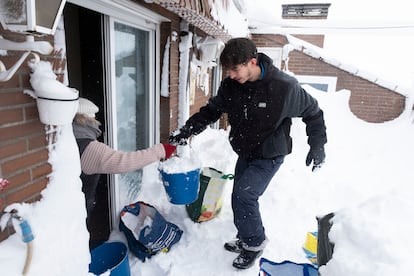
x,y
186,38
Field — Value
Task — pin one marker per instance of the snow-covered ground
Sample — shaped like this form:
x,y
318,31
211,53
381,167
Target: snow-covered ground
x,y
367,181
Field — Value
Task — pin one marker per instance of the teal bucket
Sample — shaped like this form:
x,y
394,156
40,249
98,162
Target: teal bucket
x,y
112,256
182,188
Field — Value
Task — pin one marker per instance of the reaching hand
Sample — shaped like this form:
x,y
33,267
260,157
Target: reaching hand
x,y
169,150
317,155
179,137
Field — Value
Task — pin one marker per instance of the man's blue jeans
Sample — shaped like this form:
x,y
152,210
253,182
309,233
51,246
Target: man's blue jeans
x,y
251,179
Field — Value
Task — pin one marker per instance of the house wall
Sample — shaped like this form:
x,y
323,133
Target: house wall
x,y
368,101
169,105
200,97
23,143
317,40
23,138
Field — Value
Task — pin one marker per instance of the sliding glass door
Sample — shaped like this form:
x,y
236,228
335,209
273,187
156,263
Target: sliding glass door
x,y
132,103
124,48
133,100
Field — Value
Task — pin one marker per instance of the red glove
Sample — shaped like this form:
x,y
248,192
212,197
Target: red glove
x,y
169,150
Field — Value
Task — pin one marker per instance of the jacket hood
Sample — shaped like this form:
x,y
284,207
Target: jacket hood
x,y
265,62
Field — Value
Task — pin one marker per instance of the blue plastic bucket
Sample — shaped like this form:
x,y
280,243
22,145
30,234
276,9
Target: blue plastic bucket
x,y
111,256
182,188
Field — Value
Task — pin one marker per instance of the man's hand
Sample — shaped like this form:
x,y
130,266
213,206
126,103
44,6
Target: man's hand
x,y
317,155
179,136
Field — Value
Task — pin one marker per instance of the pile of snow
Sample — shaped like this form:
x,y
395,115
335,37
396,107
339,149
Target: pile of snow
x,y
178,164
366,181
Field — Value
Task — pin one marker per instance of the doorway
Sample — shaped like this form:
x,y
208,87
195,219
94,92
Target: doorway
x,y
112,61
85,72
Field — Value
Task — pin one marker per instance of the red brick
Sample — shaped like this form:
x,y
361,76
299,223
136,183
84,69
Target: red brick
x,y
14,98
25,79
41,171
18,180
26,129
2,206
8,116
24,161
37,142
27,193
13,82
15,148
8,231
31,112
35,198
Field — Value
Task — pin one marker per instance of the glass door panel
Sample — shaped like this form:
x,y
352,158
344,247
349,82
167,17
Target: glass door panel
x,y
132,78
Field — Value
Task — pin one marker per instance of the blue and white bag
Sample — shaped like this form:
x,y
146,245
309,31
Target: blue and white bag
x,y
146,230
286,268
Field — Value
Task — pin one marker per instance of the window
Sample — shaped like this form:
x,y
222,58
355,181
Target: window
x,y
132,97
323,83
274,53
305,10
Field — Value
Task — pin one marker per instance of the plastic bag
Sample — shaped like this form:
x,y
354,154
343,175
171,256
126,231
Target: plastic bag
x,y
286,268
146,230
209,201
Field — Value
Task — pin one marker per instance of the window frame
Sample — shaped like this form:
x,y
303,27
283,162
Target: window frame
x,y
330,81
275,53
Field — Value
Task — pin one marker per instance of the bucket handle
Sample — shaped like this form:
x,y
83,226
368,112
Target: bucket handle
x,y
224,176
227,176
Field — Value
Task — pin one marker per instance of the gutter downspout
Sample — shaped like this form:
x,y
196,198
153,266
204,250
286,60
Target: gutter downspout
x,y
186,38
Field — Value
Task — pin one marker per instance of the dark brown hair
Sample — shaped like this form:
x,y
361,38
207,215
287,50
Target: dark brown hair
x,y
237,51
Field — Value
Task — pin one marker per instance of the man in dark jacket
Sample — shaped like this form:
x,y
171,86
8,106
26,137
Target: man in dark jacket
x,y
260,101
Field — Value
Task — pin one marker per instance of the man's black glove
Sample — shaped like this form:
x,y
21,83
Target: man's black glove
x,y
179,136
317,155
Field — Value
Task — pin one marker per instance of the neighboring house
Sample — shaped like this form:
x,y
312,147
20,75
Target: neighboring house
x,y
372,99
113,52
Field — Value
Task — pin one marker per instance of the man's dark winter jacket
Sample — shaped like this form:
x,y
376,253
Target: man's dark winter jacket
x,y
260,113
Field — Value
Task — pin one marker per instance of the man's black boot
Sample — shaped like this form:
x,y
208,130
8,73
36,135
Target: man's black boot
x,y
246,258
235,246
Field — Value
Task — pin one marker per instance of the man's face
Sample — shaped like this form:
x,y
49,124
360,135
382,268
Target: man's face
x,y
243,72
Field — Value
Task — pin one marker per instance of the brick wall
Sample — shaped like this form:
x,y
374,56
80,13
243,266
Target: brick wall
x,y
23,143
169,105
269,40
200,98
317,40
368,101
23,152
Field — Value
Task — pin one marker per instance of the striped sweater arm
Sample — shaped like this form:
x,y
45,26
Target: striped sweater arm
x,y
100,158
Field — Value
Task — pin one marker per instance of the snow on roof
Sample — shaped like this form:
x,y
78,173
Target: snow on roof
x,y
318,53
288,2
